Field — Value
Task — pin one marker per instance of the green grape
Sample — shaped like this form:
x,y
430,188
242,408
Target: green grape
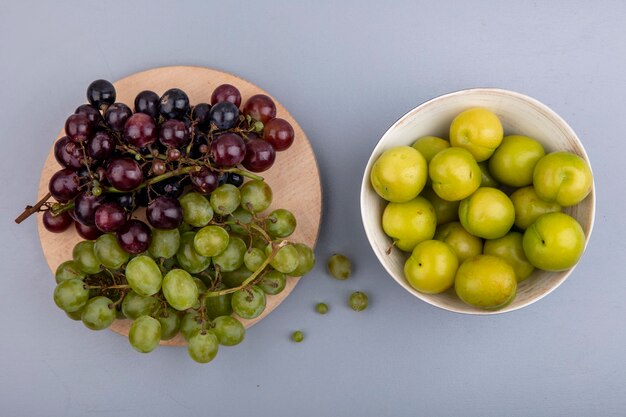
x,y
186,227
197,210
258,242
201,287
225,199
306,260
85,257
109,252
144,275
256,196
254,258
187,257
235,278
242,216
71,295
219,305
358,301
248,303
297,336
170,323
211,241
144,334
135,305
180,290
202,346
273,282
232,257
339,266
164,243
75,315
229,330
280,223
68,270
118,313
191,323
286,259
321,308
98,313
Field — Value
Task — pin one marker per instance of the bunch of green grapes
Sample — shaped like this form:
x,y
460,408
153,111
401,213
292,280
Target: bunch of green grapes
x,y
199,278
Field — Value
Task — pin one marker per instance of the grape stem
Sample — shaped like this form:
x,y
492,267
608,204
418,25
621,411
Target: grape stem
x,y
244,173
162,177
30,210
252,277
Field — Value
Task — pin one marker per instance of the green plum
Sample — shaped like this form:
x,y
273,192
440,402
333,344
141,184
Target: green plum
x,y
432,266
488,213
409,223
563,178
510,248
399,174
528,206
513,163
486,282
454,173
478,130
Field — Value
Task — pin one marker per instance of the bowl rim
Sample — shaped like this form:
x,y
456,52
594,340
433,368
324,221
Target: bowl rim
x,y
365,183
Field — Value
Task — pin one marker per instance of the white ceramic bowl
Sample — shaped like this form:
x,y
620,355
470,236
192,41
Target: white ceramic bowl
x,y
519,115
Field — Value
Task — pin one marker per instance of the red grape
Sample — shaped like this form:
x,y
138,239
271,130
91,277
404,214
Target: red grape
x,y
174,134
279,133
226,92
68,156
204,181
93,114
57,224
101,146
101,93
110,216
124,173
164,213
63,185
260,155
116,115
78,127
225,115
85,206
87,232
260,107
140,130
228,150
147,102
134,237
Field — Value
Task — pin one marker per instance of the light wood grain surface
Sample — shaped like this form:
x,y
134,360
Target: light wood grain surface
x,y
294,178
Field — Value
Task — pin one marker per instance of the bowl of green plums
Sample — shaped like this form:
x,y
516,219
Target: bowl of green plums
x,y
480,201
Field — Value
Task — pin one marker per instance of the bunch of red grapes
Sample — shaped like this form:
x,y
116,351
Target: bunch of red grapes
x,y
115,160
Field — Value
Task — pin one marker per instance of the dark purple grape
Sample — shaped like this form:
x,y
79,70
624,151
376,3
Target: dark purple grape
x,y
260,155
147,102
204,181
63,185
174,104
164,213
124,173
223,177
78,127
228,150
279,133
201,115
116,115
110,217
85,206
87,232
94,115
200,142
57,224
172,187
101,146
234,179
101,93
226,92
127,201
68,154
260,107
140,130
134,237
174,134
225,115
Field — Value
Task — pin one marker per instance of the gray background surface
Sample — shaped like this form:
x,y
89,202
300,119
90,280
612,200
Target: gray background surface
x,y
346,71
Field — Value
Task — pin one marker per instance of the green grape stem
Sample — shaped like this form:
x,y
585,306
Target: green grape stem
x,y
251,278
